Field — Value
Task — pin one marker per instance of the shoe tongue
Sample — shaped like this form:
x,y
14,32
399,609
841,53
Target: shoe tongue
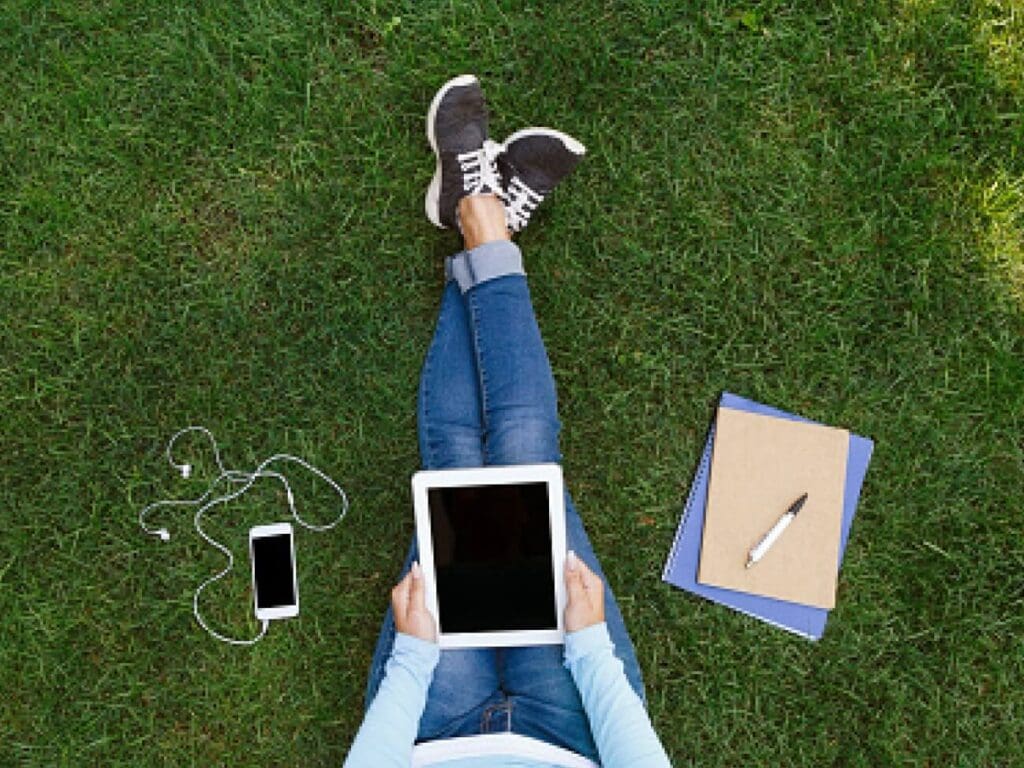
x,y
492,148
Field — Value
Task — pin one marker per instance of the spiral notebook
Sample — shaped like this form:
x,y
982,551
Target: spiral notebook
x,y
681,566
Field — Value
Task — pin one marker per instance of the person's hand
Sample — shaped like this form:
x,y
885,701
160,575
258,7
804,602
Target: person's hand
x,y
585,606
410,607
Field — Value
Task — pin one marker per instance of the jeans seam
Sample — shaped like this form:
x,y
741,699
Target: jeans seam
x,y
430,459
503,706
474,313
428,447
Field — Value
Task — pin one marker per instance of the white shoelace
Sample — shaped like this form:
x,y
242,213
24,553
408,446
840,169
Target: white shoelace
x,y
520,203
479,169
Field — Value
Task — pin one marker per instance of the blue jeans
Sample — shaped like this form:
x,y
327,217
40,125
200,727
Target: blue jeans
x,y
487,396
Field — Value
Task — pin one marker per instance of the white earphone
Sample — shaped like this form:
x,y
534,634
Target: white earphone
x,y
207,501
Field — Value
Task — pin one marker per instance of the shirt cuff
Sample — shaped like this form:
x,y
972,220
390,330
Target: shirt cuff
x,y
423,654
585,642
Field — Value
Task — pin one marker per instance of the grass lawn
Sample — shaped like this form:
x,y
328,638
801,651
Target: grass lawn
x,y
212,213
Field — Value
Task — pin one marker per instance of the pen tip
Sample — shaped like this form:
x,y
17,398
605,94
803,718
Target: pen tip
x,y
797,505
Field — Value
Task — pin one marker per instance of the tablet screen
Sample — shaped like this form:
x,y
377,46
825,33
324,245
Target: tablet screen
x,y
492,557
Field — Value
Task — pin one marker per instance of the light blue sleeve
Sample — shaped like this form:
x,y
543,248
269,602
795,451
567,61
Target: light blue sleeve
x,y
389,729
622,730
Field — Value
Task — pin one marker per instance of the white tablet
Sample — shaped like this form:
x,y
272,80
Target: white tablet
x,y
492,549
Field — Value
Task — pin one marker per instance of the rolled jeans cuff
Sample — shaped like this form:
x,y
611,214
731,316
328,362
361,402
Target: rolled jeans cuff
x,y
485,262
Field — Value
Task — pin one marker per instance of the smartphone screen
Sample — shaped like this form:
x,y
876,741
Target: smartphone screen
x,y
273,571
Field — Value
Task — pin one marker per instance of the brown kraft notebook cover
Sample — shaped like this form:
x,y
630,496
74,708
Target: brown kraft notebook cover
x,y
761,465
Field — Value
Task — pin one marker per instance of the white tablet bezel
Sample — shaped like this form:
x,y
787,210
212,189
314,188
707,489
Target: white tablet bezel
x,y
551,474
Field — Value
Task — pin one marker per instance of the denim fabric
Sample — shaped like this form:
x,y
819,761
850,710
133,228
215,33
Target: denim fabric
x,y
487,397
486,262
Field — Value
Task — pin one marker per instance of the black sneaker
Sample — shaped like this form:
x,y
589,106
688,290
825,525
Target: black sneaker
x,y
531,163
457,132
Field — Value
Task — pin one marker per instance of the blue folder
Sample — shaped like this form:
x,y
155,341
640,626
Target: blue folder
x,y
681,566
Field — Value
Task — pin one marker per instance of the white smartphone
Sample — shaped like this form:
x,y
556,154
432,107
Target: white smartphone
x,y
274,585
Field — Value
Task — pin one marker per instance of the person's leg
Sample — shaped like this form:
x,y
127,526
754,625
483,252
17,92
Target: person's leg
x,y
521,425
516,388
449,411
450,430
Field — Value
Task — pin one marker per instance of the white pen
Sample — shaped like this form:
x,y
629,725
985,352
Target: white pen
x,y
765,544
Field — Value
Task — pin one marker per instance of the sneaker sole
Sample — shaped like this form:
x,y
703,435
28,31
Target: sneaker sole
x,y
431,201
568,141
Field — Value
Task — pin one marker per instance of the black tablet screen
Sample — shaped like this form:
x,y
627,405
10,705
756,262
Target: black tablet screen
x,y
492,557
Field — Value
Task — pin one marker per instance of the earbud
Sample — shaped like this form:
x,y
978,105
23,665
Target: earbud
x,y
164,534
186,470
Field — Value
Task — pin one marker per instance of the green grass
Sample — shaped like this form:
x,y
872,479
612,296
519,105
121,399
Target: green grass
x,y
211,213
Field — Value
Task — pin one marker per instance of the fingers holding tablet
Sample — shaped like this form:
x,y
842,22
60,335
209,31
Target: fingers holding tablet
x,y
585,592
408,601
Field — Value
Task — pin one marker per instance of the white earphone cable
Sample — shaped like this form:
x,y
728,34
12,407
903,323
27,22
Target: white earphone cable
x,y
205,503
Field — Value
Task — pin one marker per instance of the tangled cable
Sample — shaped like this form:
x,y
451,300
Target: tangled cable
x,y
208,500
